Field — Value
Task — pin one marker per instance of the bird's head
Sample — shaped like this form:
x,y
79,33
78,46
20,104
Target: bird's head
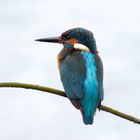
x,y
74,36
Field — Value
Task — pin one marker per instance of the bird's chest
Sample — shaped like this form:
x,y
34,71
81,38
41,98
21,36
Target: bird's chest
x,y
79,64
72,60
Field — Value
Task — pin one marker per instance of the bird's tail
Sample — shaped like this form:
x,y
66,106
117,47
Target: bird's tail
x,y
88,120
88,117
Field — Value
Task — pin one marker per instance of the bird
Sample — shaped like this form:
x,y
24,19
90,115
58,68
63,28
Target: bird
x,y
81,70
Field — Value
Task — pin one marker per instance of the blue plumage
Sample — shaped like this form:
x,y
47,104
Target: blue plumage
x,y
81,71
90,102
73,73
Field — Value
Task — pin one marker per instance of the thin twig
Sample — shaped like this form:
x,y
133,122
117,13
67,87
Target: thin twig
x,y
61,93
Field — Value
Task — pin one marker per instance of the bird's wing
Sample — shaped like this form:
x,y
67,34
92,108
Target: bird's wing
x,y
73,73
99,72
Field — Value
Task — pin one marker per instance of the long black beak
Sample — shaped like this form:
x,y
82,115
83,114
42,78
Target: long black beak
x,y
51,39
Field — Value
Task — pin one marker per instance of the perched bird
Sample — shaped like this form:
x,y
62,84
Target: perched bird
x,y
81,70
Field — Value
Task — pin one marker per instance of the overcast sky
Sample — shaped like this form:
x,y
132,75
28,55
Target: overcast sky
x,y
34,115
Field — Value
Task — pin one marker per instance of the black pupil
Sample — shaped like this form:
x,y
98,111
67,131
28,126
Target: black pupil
x,y
66,37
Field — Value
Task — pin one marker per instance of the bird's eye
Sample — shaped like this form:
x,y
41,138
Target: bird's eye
x,y
66,37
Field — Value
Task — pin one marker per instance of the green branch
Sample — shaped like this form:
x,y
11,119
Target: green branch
x,y
61,93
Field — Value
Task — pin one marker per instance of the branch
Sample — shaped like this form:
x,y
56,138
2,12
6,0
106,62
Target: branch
x,y
61,93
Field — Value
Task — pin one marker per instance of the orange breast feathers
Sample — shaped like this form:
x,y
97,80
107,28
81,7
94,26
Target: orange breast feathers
x,y
62,54
59,59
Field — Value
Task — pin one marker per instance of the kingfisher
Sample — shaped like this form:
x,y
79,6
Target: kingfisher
x,y
81,70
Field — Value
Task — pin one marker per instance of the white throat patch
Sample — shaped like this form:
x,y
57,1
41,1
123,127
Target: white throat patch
x,y
81,47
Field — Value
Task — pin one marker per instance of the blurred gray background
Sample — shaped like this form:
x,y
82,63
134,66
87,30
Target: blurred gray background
x,y
33,115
